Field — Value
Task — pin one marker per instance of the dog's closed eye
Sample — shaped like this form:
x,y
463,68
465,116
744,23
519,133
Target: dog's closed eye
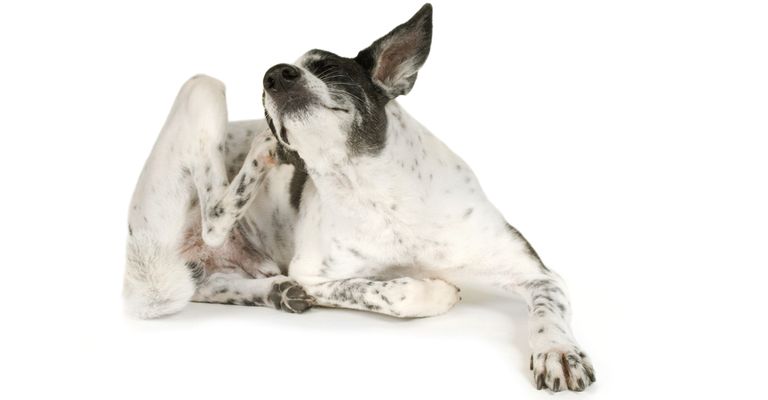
x,y
324,69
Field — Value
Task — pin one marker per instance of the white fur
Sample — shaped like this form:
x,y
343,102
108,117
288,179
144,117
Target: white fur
x,y
393,229
156,283
394,232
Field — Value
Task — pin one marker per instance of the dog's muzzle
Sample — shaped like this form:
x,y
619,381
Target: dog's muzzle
x,y
285,86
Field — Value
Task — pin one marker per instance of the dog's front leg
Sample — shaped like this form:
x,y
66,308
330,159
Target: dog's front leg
x,y
279,292
557,361
222,202
402,297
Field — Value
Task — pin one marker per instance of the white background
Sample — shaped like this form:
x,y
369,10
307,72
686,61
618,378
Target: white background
x,y
627,141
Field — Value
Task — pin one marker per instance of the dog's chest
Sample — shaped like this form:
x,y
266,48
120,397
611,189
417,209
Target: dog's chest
x,y
365,240
365,232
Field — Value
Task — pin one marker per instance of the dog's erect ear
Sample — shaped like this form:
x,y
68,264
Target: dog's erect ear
x,y
394,60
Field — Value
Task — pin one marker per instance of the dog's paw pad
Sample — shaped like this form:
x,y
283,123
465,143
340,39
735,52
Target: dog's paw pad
x,y
562,369
290,297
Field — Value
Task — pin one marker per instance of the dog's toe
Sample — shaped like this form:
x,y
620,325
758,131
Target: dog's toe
x,y
562,369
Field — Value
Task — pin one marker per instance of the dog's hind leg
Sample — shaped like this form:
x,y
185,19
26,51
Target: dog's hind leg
x,y
401,297
184,177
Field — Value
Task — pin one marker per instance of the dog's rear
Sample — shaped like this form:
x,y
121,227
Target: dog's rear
x,y
156,282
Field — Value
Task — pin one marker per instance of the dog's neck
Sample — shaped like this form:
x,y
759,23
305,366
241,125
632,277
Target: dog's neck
x,y
375,177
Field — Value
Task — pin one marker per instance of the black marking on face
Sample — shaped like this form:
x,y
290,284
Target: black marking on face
x,y
349,83
283,154
284,134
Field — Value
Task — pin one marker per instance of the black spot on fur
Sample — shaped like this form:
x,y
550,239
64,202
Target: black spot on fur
x,y
240,203
216,212
296,188
355,253
196,270
241,185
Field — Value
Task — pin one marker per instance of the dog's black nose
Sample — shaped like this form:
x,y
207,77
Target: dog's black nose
x,y
281,77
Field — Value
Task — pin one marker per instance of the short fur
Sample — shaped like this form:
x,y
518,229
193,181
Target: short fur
x,y
339,198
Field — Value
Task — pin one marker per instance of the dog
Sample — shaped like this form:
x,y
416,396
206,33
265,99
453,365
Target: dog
x,y
337,198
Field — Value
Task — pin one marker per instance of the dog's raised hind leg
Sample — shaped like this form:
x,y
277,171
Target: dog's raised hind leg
x,y
185,170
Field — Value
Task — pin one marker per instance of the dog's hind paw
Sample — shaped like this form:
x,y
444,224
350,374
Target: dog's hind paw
x,y
290,297
562,368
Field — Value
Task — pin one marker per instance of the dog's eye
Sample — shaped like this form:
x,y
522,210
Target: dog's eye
x,y
323,67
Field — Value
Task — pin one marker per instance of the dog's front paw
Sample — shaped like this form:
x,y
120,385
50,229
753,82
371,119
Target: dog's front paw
x,y
562,367
290,297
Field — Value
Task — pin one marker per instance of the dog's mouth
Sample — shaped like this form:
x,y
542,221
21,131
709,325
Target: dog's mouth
x,y
300,105
293,105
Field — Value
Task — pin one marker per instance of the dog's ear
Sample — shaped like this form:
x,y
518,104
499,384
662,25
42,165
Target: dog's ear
x,y
394,60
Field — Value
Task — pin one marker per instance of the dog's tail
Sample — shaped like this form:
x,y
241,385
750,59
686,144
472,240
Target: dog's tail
x,y
157,282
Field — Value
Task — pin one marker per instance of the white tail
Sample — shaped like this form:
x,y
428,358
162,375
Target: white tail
x,y
156,282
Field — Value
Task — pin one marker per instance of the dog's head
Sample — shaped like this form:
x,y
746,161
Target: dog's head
x,y
326,105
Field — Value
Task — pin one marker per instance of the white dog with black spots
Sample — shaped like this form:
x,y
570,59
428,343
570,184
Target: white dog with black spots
x,y
338,198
